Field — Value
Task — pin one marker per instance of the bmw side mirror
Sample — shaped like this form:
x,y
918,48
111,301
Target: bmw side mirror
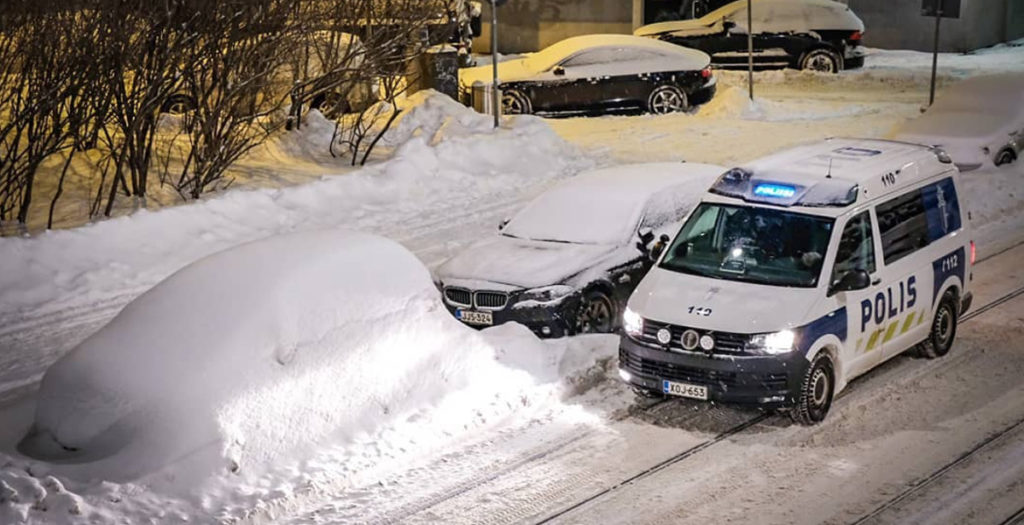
x,y
558,71
659,246
728,25
503,223
857,279
646,236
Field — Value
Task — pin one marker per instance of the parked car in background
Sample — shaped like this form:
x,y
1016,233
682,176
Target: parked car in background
x,y
819,35
595,74
978,120
568,261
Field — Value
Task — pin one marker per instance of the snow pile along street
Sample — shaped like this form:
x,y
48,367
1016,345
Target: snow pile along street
x,y
281,350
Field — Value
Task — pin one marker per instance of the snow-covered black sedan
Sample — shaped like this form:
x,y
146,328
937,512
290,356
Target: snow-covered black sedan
x,y
596,74
819,35
567,262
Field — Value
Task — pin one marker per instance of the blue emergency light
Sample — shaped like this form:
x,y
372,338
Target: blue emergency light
x,y
774,190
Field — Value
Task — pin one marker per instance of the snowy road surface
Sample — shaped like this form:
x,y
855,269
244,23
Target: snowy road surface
x,y
914,441
891,429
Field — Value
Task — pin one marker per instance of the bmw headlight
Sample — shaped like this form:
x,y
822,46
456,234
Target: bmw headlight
x,y
774,343
632,323
546,294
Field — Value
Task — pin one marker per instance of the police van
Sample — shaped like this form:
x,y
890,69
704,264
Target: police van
x,y
800,271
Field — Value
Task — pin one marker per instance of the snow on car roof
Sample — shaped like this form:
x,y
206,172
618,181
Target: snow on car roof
x,y
564,48
726,10
603,206
833,172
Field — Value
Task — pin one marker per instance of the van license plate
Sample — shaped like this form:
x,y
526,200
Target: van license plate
x,y
684,390
471,317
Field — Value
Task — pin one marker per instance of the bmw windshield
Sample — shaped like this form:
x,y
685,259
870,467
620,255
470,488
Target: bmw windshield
x,y
758,245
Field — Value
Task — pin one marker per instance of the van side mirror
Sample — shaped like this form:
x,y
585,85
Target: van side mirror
x,y
646,236
856,279
559,71
503,223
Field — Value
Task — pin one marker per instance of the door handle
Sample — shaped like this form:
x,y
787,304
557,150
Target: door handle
x,y
876,282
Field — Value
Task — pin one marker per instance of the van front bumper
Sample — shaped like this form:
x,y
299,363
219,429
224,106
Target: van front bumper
x,y
768,381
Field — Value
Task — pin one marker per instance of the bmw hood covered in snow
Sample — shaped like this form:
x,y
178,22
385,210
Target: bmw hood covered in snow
x,y
521,263
725,306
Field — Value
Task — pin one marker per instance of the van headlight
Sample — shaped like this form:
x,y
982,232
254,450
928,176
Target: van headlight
x,y
632,323
772,344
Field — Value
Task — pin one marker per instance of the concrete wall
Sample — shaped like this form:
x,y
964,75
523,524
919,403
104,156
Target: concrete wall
x,y
529,25
898,24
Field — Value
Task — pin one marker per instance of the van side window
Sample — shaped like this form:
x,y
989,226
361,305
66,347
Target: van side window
x,y
856,247
903,225
943,209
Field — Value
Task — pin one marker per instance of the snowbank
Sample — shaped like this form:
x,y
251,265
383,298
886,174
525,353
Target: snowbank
x,y
253,352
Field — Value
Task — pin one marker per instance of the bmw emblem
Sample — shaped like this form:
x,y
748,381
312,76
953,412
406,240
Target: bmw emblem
x,y
664,336
690,339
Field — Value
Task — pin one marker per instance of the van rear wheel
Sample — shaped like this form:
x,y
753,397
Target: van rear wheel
x,y
816,391
940,338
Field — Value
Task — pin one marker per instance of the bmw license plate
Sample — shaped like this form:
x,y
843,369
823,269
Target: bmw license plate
x,y
471,317
684,390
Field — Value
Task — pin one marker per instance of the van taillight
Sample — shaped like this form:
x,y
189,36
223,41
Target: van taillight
x,y
706,72
856,36
974,254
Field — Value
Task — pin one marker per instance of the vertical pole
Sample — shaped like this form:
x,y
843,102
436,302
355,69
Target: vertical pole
x,y
750,47
495,99
935,52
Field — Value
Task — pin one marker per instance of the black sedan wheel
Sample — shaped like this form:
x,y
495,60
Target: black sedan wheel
x,y
667,99
179,105
821,60
596,314
1005,156
515,103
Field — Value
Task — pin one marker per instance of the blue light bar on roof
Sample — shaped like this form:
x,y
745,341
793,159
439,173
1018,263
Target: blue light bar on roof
x,y
780,191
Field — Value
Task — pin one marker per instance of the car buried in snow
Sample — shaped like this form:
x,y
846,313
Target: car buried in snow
x,y
567,262
595,74
976,121
818,35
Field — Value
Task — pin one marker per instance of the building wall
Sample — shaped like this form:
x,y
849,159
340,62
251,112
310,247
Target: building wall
x,y
898,24
529,25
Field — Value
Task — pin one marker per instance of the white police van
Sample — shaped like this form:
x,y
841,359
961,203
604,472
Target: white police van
x,y
800,271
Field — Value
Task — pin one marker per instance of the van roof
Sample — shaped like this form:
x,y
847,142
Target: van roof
x,y
834,173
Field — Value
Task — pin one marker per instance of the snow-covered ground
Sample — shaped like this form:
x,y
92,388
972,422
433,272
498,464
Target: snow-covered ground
x,y
575,430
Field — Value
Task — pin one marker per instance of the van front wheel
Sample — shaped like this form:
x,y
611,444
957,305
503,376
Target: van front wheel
x,y
816,392
940,338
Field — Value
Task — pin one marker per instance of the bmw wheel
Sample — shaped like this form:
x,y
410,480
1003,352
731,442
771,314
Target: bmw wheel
x,y
514,102
940,338
330,104
816,391
179,105
1005,156
822,60
667,99
596,314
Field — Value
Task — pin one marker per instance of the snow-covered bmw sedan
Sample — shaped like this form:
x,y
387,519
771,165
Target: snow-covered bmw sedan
x,y
568,261
975,121
819,35
595,74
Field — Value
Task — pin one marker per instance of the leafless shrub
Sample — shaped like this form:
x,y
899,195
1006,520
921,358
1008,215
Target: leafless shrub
x,y
48,86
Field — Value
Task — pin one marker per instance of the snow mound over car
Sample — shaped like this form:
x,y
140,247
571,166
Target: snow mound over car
x,y
258,351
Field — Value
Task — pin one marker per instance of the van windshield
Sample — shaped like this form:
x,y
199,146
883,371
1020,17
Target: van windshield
x,y
758,245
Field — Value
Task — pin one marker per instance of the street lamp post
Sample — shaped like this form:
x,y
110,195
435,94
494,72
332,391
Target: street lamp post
x,y
495,98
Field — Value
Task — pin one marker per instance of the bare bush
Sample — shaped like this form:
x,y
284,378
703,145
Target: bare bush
x,y
233,83
49,86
